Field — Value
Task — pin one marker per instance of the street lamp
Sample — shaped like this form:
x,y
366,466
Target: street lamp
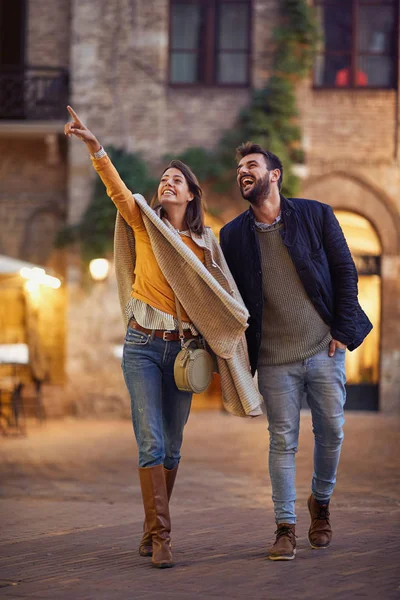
x,y
99,269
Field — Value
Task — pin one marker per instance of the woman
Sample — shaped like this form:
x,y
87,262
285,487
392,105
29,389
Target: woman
x,y
164,253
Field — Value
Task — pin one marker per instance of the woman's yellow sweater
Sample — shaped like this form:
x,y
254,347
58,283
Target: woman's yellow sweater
x,y
150,285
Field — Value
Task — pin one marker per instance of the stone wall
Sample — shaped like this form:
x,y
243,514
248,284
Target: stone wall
x,y
338,124
48,33
351,143
32,200
32,210
95,329
119,77
33,195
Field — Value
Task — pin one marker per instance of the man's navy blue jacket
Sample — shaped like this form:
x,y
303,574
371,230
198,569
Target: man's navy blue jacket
x,y
322,259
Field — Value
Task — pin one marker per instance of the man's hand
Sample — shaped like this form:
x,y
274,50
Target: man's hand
x,y
77,128
335,344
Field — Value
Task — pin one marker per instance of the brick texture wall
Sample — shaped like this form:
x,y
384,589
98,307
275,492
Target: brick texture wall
x,y
32,200
352,163
48,33
119,75
33,190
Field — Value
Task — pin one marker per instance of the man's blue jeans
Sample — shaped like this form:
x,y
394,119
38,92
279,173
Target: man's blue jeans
x,y
282,387
159,410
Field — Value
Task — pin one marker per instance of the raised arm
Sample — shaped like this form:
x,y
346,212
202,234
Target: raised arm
x,y
116,188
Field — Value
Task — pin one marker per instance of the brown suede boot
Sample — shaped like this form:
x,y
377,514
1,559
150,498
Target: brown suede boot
x,y
320,532
285,543
155,501
146,544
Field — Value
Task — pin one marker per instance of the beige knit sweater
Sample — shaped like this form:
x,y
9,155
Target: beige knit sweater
x,y
208,294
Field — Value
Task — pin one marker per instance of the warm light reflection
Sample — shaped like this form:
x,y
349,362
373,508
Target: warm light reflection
x,y
32,286
362,365
99,268
359,233
37,276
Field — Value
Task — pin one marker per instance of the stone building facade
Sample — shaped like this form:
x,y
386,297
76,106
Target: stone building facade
x,y
118,55
34,55
352,140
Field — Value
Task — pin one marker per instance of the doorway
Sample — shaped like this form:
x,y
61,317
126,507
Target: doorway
x,y
362,365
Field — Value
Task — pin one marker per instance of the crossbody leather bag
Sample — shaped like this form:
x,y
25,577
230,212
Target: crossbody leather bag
x,y
193,365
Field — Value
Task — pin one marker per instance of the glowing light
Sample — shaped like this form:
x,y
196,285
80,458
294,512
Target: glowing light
x,y
32,286
99,268
37,276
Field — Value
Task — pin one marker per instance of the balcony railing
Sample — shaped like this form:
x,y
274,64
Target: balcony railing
x,y
33,93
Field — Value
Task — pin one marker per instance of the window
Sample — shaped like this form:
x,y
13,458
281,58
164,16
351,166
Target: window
x,y
359,44
210,42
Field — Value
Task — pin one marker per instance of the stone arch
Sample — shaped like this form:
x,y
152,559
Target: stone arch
x,y
352,193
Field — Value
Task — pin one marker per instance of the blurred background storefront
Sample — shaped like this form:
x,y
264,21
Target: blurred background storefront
x,y
152,77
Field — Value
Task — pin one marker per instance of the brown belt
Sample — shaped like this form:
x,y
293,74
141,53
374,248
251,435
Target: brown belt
x,y
166,335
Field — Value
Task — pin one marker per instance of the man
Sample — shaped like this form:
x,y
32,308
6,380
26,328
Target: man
x,y
297,278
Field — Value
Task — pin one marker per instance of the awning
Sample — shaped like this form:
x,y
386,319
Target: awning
x,y
9,265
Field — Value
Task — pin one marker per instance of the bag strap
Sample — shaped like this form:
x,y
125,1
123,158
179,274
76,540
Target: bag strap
x,y
179,316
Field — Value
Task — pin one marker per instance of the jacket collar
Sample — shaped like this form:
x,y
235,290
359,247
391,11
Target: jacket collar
x,y
287,214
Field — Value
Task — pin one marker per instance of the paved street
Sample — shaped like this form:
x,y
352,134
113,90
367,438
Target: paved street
x,y
71,515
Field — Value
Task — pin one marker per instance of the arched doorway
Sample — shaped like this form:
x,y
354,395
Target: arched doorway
x,y
350,192
362,365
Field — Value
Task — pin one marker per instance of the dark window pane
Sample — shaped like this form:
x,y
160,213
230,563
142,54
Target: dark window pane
x,y
335,22
232,67
12,35
378,70
332,70
233,26
380,2
376,29
338,3
210,41
184,67
185,35
185,26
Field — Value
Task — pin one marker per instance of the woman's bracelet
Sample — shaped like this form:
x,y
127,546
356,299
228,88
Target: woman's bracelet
x,y
99,154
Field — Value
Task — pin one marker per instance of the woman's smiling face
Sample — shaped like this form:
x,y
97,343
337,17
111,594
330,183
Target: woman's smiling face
x,y
173,189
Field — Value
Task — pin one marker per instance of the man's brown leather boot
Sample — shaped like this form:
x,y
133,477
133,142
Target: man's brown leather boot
x,y
155,501
285,543
320,532
146,544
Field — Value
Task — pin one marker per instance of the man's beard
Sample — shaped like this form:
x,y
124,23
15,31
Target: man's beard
x,y
259,191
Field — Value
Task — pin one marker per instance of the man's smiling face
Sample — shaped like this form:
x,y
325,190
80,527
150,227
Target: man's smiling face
x,y
253,177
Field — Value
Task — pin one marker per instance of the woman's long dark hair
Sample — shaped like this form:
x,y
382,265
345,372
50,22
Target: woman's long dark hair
x,y
194,215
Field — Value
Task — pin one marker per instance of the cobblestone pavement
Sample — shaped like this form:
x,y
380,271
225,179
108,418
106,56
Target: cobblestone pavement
x,y
71,515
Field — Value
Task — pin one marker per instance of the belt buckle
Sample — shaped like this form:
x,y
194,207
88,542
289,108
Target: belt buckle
x,y
166,332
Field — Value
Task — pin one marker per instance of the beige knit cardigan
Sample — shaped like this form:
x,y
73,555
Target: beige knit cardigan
x,y
208,294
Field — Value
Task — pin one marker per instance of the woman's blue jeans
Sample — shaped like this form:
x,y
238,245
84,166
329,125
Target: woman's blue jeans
x,y
159,410
282,387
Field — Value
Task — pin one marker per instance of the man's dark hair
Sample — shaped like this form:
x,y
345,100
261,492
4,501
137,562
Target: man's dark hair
x,y
272,161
